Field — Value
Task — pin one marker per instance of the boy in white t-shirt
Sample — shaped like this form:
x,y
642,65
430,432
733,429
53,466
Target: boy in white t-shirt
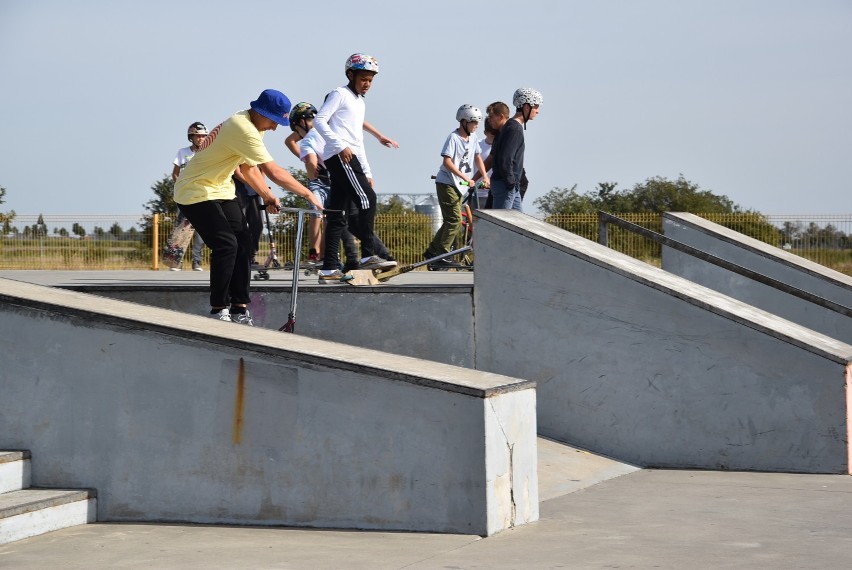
x,y
461,155
195,133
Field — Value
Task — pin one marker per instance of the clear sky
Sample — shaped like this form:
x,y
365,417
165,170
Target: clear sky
x,y
747,98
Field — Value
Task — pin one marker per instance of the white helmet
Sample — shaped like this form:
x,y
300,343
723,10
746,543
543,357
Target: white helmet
x,y
359,61
469,113
526,95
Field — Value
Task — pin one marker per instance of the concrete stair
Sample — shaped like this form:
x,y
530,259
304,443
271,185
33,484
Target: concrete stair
x,y
26,512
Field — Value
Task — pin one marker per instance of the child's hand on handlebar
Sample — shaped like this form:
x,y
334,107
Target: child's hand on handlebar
x,y
315,201
272,206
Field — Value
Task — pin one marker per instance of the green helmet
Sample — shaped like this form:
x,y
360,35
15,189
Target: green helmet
x,y
301,111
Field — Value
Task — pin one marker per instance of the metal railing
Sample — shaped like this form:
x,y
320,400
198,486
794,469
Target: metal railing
x,y
607,221
826,240
135,241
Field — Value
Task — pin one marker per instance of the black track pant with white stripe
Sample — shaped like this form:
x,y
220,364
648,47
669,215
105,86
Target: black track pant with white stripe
x,y
348,184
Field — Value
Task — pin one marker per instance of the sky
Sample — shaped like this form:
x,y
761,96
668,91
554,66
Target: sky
x,y
751,99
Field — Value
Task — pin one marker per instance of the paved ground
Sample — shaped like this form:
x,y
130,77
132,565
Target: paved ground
x,y
647,519
595,513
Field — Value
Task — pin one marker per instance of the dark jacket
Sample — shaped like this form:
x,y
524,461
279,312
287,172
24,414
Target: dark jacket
x,y
508,153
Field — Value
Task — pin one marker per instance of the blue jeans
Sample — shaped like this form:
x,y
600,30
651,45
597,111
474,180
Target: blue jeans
x,y
505,197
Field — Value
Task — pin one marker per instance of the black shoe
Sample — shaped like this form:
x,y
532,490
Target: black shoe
x,y
350,265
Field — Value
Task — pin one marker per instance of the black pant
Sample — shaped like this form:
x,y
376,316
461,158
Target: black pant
x,y
223,228
252,210
348,184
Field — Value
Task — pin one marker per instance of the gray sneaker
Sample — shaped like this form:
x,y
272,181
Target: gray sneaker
x,y
197,267
242,319
376,262
222,315
332,276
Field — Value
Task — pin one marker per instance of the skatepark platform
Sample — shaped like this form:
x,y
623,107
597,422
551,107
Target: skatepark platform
x,y
636,350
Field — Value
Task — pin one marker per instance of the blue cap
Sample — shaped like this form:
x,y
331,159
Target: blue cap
x,y
273,105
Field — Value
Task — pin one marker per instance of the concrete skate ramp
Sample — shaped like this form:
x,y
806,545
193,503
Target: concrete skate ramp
x,y
765,259
649,368
176,417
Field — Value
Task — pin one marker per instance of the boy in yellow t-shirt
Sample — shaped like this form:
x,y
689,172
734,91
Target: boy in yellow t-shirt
x,y
206,196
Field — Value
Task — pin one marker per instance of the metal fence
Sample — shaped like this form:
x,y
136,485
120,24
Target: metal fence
x,y
136,242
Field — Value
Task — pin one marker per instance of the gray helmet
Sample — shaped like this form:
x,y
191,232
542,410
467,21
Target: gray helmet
x,y
526,95
469,113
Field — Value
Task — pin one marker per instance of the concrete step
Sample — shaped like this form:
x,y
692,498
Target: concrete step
x,y
14,470
26,512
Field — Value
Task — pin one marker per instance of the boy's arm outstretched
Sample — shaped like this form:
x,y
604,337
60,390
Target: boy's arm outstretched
x,y
390,143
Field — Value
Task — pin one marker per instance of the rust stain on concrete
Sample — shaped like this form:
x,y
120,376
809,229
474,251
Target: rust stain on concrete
x,y
239,404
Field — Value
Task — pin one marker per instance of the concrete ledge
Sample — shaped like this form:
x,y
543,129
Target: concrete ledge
x,y
43,511
764,259
649,368
178,417
15,470
23,501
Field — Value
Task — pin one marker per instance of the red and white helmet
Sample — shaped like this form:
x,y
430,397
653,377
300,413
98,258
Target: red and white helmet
x,y
359,61
196,128
469,113
526,95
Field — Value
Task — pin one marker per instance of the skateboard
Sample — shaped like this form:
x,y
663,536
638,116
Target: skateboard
x,y
177,244
263,270
362,277
310,268
367,276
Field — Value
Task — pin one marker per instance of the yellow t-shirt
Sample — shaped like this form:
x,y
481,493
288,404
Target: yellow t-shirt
x,y
208,175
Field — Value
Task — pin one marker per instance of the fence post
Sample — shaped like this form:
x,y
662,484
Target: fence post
x,y
155,236
602,229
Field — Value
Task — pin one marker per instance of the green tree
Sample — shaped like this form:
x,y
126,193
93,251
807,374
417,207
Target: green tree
x,y
564,201
39,229
164,197
116,230
78,230
656,195
7,218
394,205
660,195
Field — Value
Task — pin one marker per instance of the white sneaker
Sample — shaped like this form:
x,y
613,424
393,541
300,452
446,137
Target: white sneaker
x,y
242,319
174,268
332,276
376,262
222,315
